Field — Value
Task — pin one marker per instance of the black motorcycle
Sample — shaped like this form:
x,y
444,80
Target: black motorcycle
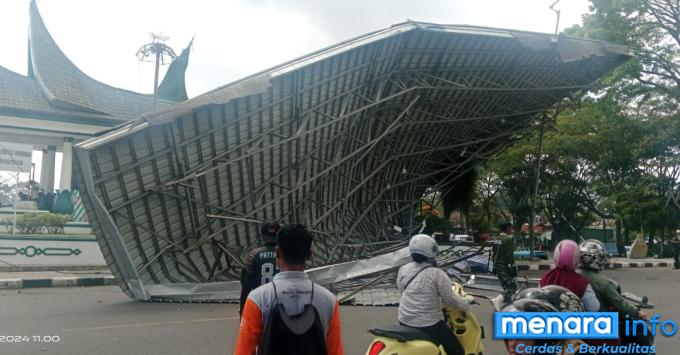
x,y
640,337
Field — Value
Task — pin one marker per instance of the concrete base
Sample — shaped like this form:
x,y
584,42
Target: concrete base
x,y
50,250
639,248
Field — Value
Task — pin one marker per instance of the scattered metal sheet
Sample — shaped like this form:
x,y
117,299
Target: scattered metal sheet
x,y
337,273
476,264
354,282
189,292
490,282
371,297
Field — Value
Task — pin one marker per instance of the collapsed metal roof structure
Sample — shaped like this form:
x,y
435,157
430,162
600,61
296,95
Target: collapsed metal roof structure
x,y
344,140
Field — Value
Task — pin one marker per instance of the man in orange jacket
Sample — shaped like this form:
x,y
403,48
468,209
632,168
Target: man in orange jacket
x,y
291,300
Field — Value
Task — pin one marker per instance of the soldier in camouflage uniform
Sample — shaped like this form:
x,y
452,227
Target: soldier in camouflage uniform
x,y
676,249
504,260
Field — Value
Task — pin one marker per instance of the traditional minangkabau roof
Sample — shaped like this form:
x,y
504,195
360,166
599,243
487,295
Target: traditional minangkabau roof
x,y
173,86
55,86
21,93
21,96
345,140
65,86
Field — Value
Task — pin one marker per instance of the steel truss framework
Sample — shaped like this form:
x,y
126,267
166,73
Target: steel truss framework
x,y
344,140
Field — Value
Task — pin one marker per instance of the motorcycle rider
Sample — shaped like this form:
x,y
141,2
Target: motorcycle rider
x,y
260,266
424,287
593,259
566,258
550,298
504,260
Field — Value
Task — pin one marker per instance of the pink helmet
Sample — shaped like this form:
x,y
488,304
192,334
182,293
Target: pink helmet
x,y
567,255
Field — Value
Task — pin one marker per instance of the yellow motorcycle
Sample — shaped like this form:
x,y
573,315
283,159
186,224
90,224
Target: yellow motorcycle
x,y
402,340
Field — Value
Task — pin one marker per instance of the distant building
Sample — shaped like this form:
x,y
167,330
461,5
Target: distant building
x,y
57,105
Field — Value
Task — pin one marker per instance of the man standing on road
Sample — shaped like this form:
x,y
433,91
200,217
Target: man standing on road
x,y
504,260
291,314
676,249
260,266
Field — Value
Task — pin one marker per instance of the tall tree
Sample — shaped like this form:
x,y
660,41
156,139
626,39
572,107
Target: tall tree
x,y
647,89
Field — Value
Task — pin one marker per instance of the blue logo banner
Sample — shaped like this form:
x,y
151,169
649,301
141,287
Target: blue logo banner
x,y
556,325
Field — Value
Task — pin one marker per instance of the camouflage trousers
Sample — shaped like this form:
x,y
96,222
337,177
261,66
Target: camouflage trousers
x,y
508,283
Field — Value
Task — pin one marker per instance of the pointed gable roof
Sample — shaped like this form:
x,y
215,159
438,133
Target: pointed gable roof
x,y
173,86
67,87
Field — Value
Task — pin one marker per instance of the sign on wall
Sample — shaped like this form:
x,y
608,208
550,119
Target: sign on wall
x,y
15,157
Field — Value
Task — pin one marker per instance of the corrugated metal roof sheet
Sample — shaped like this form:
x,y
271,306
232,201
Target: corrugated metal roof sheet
x,y
344,140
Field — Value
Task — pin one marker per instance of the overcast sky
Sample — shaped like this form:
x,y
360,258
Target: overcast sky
x,y
237,38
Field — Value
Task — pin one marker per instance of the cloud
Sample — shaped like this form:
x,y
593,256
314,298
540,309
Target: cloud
x,y
349,18
235,38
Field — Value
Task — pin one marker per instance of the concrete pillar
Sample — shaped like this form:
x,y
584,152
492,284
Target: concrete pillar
x,y
47,172
66,164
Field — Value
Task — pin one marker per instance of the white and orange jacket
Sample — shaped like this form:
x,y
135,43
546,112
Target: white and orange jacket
x,y
294,292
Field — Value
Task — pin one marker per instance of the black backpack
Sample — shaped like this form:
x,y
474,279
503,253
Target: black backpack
x,y
300,334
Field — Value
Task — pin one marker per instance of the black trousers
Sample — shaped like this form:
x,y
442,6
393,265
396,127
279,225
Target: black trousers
x,y
443,335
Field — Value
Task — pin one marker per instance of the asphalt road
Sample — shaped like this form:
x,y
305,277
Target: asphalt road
x,y
103,321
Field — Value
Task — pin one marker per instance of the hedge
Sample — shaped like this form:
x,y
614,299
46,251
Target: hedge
x,y
36,223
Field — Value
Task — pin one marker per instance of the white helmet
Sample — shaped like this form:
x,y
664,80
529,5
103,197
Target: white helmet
x,y
594,255
424,245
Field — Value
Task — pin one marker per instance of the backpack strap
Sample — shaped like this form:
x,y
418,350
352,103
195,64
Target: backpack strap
x,y
312,300
414,276
276,293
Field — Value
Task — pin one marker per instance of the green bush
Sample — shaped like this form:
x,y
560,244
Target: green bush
x,y
655,250
36,223
54,223
29,223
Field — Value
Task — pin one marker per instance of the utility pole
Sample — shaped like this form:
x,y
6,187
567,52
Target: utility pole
x,y
161,53
536,184
537,180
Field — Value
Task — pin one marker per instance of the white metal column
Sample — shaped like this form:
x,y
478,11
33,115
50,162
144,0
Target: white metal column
x,y
66,164
47,172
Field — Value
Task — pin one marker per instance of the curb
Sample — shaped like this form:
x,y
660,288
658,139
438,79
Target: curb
x,y
620,265
526,267
615,265
57,282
